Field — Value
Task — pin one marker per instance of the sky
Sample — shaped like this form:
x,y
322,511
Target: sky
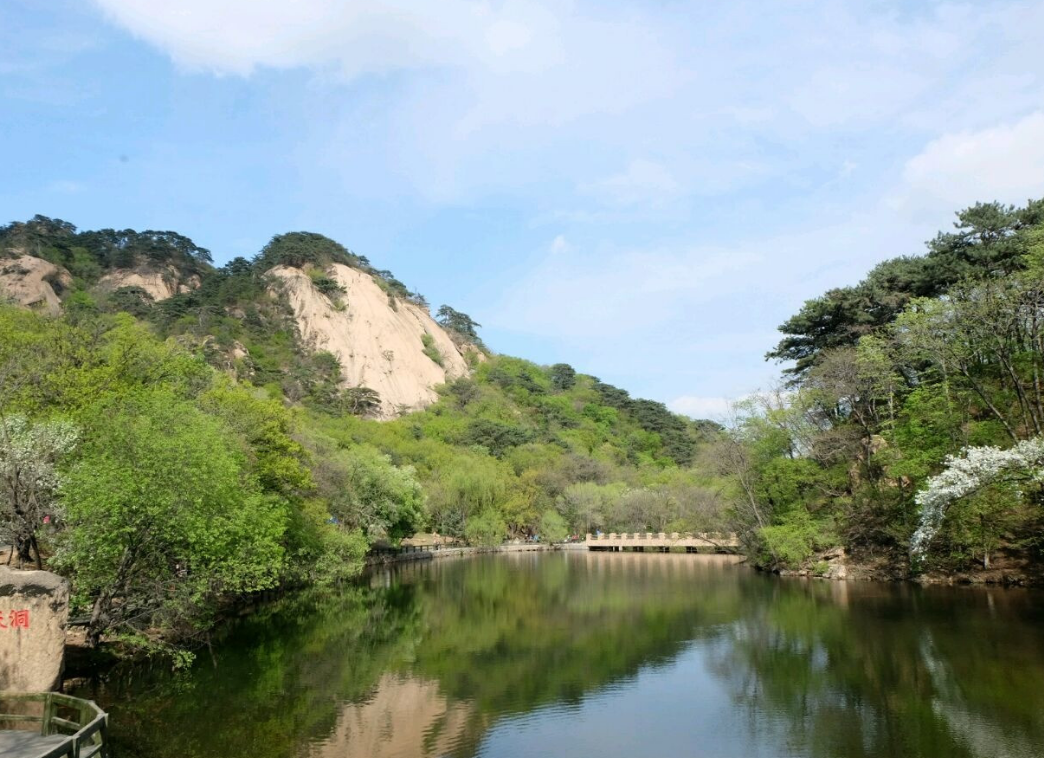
x,y
644,190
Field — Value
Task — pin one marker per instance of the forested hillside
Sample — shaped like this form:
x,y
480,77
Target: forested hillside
x,y
174,455
927,358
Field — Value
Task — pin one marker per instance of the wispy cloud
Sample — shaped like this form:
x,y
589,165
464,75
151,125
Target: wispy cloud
x,y
1003,162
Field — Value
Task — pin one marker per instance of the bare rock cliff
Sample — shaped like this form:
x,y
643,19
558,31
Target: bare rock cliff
x,y
160,284
33,283
379,345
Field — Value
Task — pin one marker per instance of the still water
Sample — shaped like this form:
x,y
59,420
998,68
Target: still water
x,y
603,655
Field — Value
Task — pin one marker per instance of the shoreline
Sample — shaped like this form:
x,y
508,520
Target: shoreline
x,y
382,559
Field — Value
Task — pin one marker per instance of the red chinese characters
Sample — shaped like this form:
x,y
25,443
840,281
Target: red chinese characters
x,y
14,619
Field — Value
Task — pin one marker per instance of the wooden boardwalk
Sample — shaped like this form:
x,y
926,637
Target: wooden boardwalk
x,y
663,542
15,744
51,725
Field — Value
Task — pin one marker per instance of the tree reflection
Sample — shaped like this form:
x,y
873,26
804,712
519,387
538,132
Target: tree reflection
x,y
877,670
425,660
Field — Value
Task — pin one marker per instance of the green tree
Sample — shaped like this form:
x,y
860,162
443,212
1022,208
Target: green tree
x,y
300,248
563,377
361,401
486,529
461,323
164,518
553,527
365,491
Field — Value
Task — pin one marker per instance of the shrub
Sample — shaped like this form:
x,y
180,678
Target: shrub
x,y
431,349
329,287
794,540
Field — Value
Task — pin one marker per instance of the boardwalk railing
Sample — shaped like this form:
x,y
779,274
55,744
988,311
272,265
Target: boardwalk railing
x,y
69,726
662,541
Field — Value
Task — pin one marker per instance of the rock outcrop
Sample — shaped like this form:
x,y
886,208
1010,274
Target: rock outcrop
x,y
33,283
380,343
159,283
34,610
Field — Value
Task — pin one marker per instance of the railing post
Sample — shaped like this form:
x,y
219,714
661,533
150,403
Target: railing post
x,y
48,714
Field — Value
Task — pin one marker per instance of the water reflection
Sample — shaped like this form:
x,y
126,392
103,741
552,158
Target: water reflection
x,y
608,654
403,716
893,671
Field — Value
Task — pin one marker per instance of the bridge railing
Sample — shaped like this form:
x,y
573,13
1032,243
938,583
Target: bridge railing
x,y
83,723
712,537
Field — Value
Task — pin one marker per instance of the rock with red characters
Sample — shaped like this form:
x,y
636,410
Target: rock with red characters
x,y
34,610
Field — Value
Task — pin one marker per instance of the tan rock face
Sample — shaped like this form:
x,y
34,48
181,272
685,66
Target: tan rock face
x,y
30,282
378,346
160,284
34,610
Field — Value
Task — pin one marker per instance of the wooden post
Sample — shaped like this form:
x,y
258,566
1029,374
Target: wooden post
x,y
48,714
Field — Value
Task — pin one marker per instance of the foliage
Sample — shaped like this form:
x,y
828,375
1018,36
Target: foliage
x,y
989,241
486,529
366,492
361,401
88,254
299,249
459,323
563,376
163,515
974,469
795,538
29,478
326,285
910,424
553,527
431,349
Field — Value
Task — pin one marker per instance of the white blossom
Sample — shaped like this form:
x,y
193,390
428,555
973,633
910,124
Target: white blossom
x,y
965,474
29,479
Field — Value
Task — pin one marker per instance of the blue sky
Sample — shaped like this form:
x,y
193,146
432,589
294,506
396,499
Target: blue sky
x,y
643,189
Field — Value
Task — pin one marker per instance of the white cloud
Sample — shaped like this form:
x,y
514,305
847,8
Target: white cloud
x,y
1004,162
504,94
559,245
238,36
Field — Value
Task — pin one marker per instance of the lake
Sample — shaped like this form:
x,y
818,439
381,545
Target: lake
x,y
602,654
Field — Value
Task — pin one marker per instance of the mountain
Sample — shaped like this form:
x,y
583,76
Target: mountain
x,y
265,422
344,323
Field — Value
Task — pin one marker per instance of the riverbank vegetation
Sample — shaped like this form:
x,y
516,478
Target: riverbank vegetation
x,y
928,363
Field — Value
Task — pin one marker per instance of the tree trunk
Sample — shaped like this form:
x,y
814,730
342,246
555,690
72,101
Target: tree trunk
x,y
99,619
36,550
25,553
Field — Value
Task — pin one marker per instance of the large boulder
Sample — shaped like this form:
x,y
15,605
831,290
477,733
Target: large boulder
x,y
34,610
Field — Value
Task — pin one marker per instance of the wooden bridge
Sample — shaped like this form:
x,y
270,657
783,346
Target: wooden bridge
x,y
663,542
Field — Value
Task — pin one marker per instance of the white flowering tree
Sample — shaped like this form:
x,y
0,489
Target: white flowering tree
x,y
29,480
968,473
